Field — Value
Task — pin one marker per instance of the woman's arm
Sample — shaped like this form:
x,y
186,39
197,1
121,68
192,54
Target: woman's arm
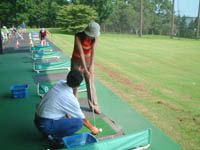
x,y
80,49
48,32
91,69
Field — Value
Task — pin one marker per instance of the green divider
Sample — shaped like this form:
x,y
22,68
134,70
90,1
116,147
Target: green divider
x,y
46,55
131,141
42,48
65,64
44,87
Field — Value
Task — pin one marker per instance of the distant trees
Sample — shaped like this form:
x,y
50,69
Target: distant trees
x,y
114,15
7,12
122,19
186,28
22,9
33,12
160,23
157,13
125,17
73,18
44,12
103,8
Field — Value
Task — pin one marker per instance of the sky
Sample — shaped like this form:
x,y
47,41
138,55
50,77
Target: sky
x,y
187,7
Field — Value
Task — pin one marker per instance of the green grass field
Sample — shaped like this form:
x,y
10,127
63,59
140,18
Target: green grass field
x,y
159,77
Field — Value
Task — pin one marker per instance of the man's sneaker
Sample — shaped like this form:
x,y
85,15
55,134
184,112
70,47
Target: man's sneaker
x,y
55,143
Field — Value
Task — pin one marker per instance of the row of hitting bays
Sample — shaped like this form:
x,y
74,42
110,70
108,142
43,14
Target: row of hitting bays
x,y
51,65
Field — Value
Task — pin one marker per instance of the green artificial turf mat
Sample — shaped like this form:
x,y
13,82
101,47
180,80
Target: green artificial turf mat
x,y
100,123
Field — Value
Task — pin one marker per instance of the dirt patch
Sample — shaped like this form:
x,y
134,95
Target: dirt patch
x,y
139,88
190,119
127,97
170,106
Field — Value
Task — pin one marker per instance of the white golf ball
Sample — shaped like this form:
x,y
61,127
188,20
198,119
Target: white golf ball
x,y
100,130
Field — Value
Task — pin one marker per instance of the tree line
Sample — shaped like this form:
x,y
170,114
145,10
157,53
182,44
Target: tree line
x,y
121,16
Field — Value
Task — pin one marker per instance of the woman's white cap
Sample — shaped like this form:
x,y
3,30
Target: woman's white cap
x,y
93,29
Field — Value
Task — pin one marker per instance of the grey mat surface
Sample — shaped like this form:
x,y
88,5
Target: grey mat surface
x,y
23,45
49,77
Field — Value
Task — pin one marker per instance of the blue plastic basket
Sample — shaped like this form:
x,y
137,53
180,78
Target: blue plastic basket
x,y
19,90
79,140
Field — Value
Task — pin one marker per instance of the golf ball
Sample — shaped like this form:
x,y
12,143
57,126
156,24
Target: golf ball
x,y
100,130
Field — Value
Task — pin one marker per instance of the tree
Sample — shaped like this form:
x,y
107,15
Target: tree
x,y
191,30
121,20
39,13
74,18
22,10
43,15
156,16
161,17
15,12
198,22
52,13
182,27
7,9
103,7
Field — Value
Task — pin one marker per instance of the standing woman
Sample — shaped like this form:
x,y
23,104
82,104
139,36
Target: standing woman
x,y
42,35
83,60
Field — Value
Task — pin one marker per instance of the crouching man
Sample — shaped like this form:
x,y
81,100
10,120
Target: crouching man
x,y
59,113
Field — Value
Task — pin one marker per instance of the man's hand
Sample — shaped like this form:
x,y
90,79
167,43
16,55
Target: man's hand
x,y
95,130
92,128
87,74
91,69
